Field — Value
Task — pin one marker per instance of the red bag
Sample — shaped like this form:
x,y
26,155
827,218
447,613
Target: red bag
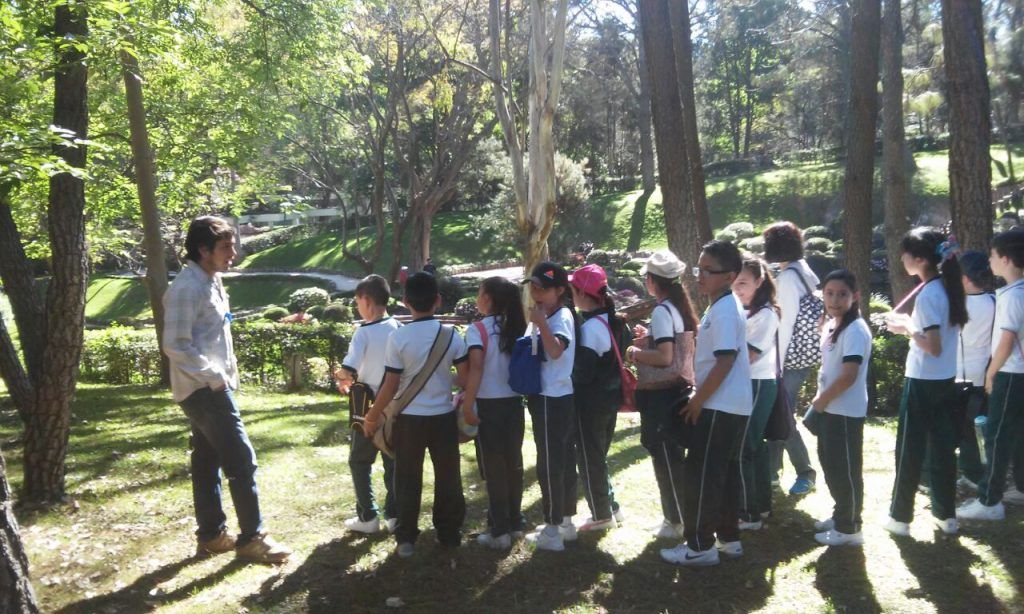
x,y
625,375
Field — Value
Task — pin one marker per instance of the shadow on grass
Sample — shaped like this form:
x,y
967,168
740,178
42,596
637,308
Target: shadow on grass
x,y
943,570
144,594
842,580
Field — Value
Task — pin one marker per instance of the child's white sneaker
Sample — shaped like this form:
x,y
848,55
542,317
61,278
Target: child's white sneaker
x,y
368,527
949,526
597,525
682,555
391,524
729,549
832,537
502,542
1013,496
976,510
620,516
668,530
405,550
824,525
567,529
548,538
897,528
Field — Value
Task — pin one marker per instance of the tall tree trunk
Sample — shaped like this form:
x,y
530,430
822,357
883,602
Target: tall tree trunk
x,y
46,434
16,594
20,286
682,42
895,183
643,121
860,141
145,182
970,128
669,131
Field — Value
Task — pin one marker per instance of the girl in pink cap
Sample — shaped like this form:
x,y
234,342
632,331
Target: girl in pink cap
x,y
597,383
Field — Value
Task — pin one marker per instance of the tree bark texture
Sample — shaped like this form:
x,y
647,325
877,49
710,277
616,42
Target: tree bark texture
x,y
643,121
669,132
20,287
895,182
682,42
145,182
46,434
970,127
16,594
860,141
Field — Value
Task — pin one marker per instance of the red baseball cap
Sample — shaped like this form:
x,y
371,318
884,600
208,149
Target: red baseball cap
x,y
589,279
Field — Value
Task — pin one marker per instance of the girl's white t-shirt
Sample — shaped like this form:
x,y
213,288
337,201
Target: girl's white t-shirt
x,y
976,339
494,384
931,311
556,375
665,322
853,345
761,335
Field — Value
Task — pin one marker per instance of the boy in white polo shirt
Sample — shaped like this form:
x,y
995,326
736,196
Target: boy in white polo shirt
x,y
428,421
719,411
1004,380
365,362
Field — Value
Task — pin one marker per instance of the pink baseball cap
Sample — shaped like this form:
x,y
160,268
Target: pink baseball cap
x,y
589,279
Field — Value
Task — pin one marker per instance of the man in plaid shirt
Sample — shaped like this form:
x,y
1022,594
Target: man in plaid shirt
x,y
204,372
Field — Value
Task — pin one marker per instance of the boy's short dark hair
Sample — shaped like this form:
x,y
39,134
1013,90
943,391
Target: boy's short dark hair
x,y
421,292
783,242
726,254
375,288
1011,245
206,231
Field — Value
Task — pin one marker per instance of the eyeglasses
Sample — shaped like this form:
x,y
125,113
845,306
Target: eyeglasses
x,y
698,271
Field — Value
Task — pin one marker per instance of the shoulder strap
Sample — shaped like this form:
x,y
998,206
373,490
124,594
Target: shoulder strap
x,y
442,342
671,319
484,336
803,281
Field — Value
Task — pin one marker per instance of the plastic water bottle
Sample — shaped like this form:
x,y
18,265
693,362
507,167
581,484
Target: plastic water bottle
x,y
979,431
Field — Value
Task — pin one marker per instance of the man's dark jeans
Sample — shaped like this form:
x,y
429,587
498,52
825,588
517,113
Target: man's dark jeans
x,y
219,441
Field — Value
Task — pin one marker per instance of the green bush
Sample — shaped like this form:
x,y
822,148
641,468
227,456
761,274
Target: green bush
x,y
888,359
274,313
816,231
466,308
753,244
818,244
304,298
273,238
742,230
727,235
451,291
634,265
632,284
120,355
317,311
337,312
599,257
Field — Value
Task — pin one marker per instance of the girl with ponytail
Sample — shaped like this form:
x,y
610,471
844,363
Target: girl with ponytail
x,y
842,399
929,395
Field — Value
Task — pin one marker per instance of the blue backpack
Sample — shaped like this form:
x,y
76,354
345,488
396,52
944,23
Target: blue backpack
x,y
524,366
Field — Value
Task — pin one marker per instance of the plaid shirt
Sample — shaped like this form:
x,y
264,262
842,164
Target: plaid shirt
x,y
197,333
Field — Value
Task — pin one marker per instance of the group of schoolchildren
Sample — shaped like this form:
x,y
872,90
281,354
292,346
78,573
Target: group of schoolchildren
x,y
706,390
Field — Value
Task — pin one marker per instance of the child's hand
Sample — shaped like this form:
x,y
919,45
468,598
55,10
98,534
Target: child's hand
x,y
538,315
898,323
639,332
470,416
342,380
817,405
370,425
690,413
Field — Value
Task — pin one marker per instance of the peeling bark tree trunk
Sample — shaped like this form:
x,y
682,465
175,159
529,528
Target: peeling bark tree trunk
x,y
46,433
145,182
16,593
860,140
669,133
682,42
643,121
970,127
895,183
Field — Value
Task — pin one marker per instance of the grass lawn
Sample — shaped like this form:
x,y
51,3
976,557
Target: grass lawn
x,y
127,547
110,298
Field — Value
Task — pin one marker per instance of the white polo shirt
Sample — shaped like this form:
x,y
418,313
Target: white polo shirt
x,y
666,322
853,345
1010,316
761,335
931,311
723,330
494,384
365,357
407,351
556,375
976,339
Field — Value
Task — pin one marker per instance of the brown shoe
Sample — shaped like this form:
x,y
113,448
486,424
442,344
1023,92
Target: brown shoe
x,y
263,549
218,545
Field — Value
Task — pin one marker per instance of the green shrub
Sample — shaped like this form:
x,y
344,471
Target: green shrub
x,y
816,231
742,230
274,313
727,235
273,238
599,257
753,244
337,312
818,244
317,311
451,291
632,284
885,373
466,308
262,348
120,355
304,298
634,265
